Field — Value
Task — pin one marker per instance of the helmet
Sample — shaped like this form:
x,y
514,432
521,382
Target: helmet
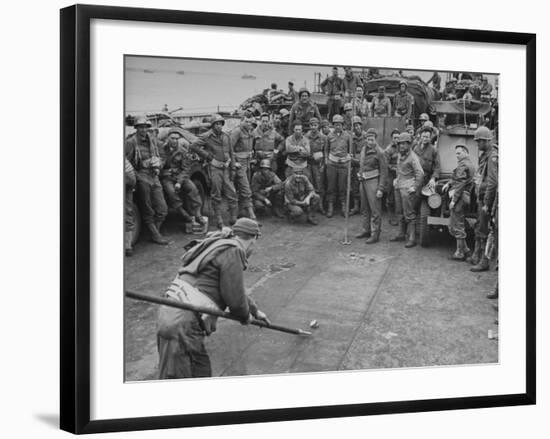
x,y
265,163
284,112
404,137
381,88
304,90
403,83
483,133
247,226
325,123
371,132
424,116
313,120
357,119
348,107
337,119
217,118
142,121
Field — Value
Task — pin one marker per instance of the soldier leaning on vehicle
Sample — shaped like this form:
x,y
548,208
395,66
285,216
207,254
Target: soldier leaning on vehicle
x,y
381,104
333,87
403,102
458,190
215,147
142,152
429,158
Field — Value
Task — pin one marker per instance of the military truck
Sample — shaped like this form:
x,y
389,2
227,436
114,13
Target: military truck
x,y
456,121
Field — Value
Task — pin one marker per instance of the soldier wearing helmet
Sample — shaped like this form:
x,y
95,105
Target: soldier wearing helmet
x,y
318,148
486,184
351,81
381,104
303,110
215,147
403,102
358,139
325,127
392,154
407,189
267,141
143,153
428,156
297,151
333,87
267,189
372,176
339,149
348,116
300,197
242,143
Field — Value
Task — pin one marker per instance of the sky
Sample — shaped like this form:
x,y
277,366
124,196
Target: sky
x,y
203,85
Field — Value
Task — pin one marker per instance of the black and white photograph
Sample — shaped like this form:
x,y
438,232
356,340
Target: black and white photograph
x,y
295,218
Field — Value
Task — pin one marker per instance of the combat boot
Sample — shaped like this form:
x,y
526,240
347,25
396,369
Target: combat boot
x,y
374,237
482,265
493,294
476,254
330,209
198,216
128,249
355,209
344,209
277,212
411,230
311,218
250,213
459,255
401,236
156,237
322,205
186,217
363,234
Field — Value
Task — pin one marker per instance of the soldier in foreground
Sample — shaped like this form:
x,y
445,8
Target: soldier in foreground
x,y
215,147
486,181
459,195
407,184
143,154
129,186
373,174
211,275
267,190
300,197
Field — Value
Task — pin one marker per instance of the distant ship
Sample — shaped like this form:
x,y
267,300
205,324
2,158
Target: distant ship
x,y
148,71
180,72
247,76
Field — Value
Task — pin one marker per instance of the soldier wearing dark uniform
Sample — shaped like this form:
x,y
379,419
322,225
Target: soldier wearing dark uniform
x,y
242,143
303,110
373,175
351,82
339,148
348,117
333,87
175,178
381,104
143,154
211,276
300,197
266,141
358,141
129,186
410,177
486,182
297,151
267,189
215,147
392,154
459,198
403,102
318,147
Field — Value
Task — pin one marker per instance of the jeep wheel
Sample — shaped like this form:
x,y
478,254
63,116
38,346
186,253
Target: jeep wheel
x,y
423,227
137,224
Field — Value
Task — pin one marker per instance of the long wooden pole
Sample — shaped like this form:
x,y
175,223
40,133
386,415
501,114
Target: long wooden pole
x,y
202,310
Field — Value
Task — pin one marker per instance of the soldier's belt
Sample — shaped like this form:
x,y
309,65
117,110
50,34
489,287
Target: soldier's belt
x,y
317,155
220,165
243,155
336,159
296,165
265,154
367,175
185,292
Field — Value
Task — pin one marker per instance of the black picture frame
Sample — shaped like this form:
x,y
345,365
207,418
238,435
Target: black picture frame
x,y
75,217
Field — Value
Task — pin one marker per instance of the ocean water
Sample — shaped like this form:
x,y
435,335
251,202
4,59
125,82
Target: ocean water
x,y
208,85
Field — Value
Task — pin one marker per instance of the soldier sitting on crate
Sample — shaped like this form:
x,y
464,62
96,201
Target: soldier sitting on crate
x,y
300,197
176,179
459,198
267,189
